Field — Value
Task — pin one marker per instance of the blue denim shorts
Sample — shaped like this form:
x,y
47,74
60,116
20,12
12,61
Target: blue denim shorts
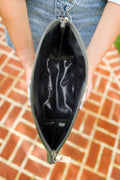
x,y
85,14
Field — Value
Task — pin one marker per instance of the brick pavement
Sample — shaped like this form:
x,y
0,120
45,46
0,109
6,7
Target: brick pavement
x,y
94,143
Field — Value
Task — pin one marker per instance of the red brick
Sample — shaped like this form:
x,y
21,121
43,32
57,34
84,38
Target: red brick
x,y
9,147
1,77
105,161
2,58
6,85
106,108
21,85
116,113
15,62
79,119
107,126
2,29
100,136
93,154
36,168
116,173
102,71
115,86
102,85
94,79
18,97
40,153
91,106
117,159
7,172
5,48
58,171
22,152
72,152
89,124
95,97
72,172
119,145
3,109
78,140
115,64
87,175
24,177
117,72
15,53
28,116
102,63
114,95
38,139
12,116
3,133
26,130
23,77
113,56
10,70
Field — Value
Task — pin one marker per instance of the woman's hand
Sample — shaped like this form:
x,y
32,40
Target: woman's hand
x,y
105,34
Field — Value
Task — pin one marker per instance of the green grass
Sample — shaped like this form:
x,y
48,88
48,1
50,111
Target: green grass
x,y
117,43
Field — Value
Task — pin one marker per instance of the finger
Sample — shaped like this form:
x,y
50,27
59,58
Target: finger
x,y
28,92
83,98
88,91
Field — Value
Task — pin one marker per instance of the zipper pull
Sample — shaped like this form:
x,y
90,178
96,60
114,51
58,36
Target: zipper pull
x,y
60,158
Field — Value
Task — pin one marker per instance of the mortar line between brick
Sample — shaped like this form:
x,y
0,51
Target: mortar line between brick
x,y
20,170
65,171
110,53
105,132
15,150
113,155
12,131
7,113
103,117
30,124
86,154
5,141
99,157
4,98
92,135
82,123
112,72
24,93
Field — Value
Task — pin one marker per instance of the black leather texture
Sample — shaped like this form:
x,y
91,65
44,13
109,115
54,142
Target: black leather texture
x,y
58,76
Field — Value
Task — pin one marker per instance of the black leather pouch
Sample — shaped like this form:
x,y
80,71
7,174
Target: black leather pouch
x,y
58,84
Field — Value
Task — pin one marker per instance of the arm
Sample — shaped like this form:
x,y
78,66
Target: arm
x,y
106,32
15,18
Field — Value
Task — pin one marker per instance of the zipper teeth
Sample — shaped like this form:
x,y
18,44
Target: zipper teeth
x,y
61,42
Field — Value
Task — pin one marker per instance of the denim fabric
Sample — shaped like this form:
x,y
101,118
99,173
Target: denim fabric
x,y
85,14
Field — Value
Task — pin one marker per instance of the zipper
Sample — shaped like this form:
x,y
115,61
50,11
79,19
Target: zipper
x,y
59,157
62,26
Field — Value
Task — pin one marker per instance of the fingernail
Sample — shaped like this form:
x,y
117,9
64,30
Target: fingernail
x,y
28,92
83,98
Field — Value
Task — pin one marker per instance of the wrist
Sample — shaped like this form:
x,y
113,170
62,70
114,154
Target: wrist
x,y
27,57
94,57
